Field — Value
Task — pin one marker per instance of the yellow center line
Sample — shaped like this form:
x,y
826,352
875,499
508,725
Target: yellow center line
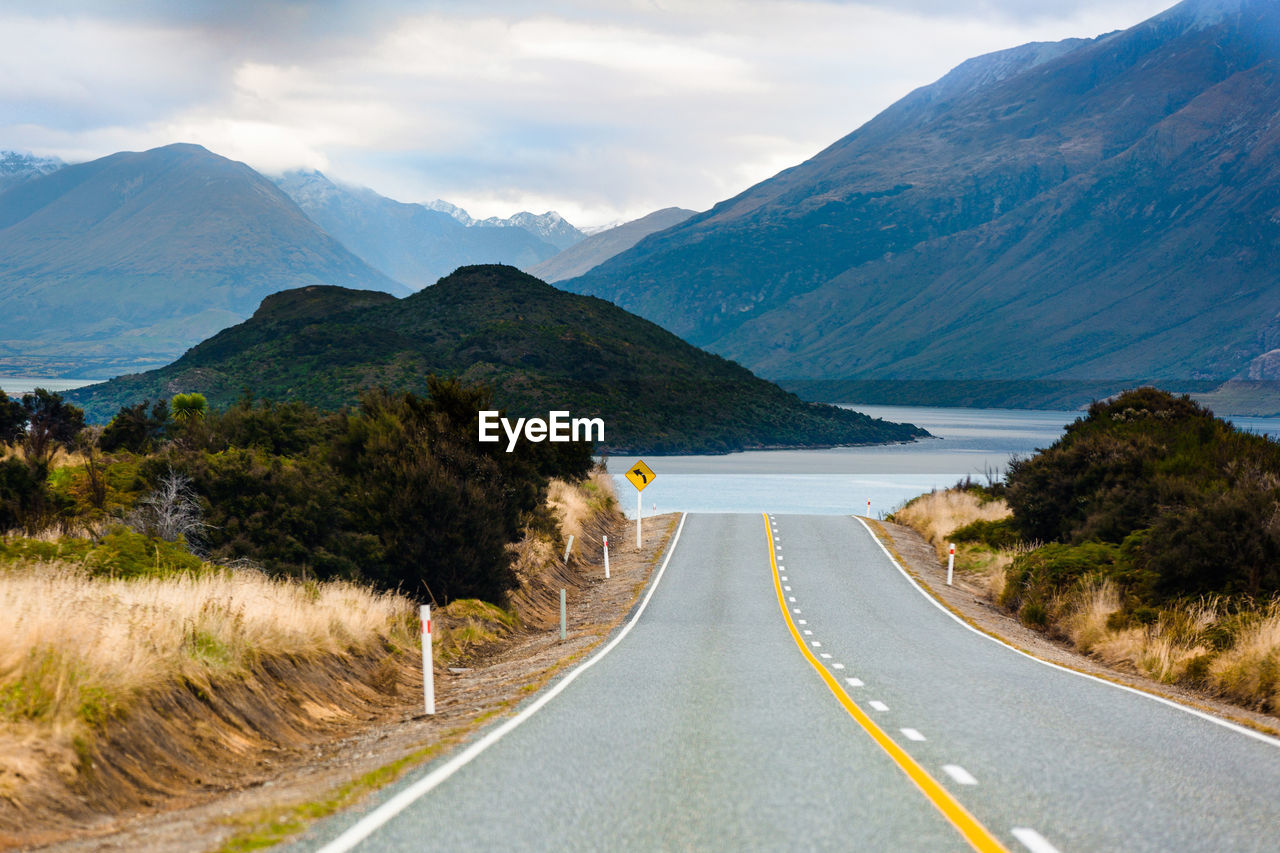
x,y
975,833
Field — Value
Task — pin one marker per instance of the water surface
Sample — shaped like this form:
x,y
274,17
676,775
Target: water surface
x,y
17,385
968,443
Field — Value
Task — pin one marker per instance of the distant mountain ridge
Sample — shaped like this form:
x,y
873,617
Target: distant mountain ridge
x,y
17,168
550,227
537,347
132,258
602,245
1094,209
412,243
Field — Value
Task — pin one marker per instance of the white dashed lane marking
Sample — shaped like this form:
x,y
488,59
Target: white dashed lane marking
x,y
911,734
855,682
1032,840
962,776
878,705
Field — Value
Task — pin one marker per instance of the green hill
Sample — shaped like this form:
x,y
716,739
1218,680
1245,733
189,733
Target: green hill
x,y
539,348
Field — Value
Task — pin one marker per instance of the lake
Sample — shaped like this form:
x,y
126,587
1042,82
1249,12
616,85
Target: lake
x,y
19,385
968,442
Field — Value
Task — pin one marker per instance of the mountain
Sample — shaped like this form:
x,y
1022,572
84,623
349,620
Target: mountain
x,y
1095,209
130,259
16,168
550,227
412,243
539,348
599,247
451,209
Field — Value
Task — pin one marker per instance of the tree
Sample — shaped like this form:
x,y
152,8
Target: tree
x,y
135,430
13,420
53,423
22,495
171,512
189,407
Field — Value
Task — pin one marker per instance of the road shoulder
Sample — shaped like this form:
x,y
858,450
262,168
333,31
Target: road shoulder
x,y
336,775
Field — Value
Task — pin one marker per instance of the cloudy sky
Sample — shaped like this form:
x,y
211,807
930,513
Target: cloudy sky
x,y
600,109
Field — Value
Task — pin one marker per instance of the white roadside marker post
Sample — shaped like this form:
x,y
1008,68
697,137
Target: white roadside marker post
x,y
606,558
562,616
428,673
868,507
567,549
951,562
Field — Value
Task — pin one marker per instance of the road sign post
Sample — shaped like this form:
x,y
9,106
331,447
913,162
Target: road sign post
x,y
640,476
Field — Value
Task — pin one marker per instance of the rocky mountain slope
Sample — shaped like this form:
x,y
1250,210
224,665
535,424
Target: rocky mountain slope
x,y
599,247
1094,209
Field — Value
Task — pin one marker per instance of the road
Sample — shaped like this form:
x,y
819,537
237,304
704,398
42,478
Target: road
x,y
707,727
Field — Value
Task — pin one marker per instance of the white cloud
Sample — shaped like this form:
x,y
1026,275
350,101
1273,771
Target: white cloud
x,y
598,110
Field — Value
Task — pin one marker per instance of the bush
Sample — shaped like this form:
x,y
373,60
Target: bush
x,y
121,553
994,534
1199,500
23,494
135,429
399,493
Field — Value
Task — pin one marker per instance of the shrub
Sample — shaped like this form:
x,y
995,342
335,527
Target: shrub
x,y
1000,533
136,429
1197,501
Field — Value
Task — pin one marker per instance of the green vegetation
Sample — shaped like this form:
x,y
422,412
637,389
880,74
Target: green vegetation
x,y
538,348
1147,536
120,553
397,493
1184,504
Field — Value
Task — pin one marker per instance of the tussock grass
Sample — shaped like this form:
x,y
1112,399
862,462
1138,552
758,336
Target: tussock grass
x,y
1230,649
74,647
1249,671
576,504
937,515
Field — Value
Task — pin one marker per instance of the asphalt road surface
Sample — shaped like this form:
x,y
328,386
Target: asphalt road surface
x,y
788,687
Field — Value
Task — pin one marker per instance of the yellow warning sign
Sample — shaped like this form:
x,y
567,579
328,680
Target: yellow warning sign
x,y
640,475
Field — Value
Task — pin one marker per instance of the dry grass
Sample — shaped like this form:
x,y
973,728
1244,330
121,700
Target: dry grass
x,y
1249,671
1083,617
75,648
62,458
1241,663
575,504
937,515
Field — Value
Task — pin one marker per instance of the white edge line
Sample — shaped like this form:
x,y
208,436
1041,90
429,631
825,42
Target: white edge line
x,y
1226,724
1032,840
371,822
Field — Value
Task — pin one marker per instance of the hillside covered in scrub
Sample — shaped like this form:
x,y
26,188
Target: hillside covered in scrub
x,y
536,347
1147,536
191,600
